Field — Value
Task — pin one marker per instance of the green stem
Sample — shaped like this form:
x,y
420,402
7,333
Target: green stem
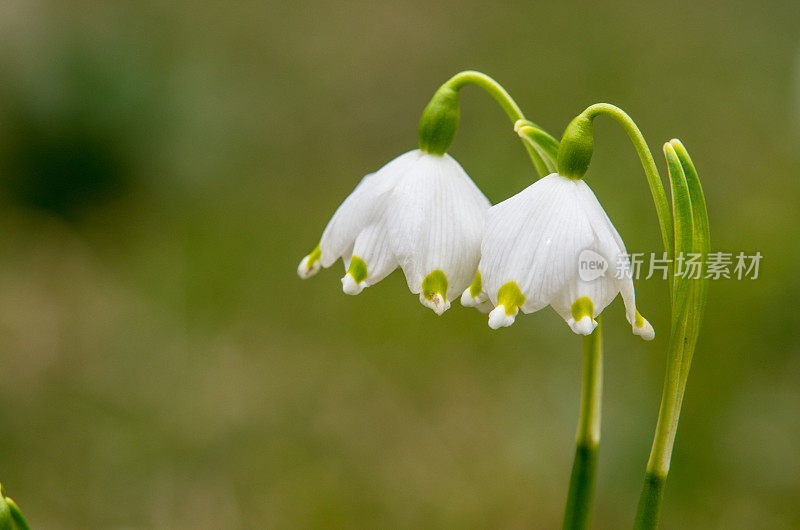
x,y
492,87
512,110
649,508
650,169
578,511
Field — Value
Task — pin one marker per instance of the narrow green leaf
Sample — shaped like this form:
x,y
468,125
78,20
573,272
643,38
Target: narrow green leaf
x,y
685,327
683,230
701,244
544,144
538,162
701,240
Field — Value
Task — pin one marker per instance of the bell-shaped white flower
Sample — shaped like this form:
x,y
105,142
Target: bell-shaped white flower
x,y
420,212
553,244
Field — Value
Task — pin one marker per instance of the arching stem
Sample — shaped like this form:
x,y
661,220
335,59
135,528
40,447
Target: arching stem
x,y
542,161
649,165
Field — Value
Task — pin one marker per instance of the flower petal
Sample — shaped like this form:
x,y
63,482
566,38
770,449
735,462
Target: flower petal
x,y
358,209
534,239
499,317
435,218
474,296
599,292
434,292
509,300
309,265
609,243
371,260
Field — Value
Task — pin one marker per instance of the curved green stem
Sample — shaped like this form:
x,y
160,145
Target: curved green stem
x,y
512,110
578,511
542,160
649,165
492,87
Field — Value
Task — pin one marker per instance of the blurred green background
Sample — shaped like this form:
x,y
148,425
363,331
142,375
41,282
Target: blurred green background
x,y
165,165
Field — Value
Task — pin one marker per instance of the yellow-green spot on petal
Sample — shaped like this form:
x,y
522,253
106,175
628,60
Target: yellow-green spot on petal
x,y
510,297
476,286
433,284
357,269
314,256
639,320
582,307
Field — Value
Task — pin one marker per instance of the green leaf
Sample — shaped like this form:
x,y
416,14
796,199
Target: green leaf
x,y
701,244
686,322
683,229
544,144
701,240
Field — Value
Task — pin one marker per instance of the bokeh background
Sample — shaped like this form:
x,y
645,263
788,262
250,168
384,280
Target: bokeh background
x,y
165,165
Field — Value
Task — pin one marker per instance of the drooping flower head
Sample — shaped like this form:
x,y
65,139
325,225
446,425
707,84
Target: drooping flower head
x,y
533,247
420,212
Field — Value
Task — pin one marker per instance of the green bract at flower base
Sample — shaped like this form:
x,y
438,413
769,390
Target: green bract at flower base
x,y
10,516
439,122
577,147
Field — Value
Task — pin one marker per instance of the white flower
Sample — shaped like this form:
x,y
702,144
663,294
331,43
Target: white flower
x,y
420,212
532,245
